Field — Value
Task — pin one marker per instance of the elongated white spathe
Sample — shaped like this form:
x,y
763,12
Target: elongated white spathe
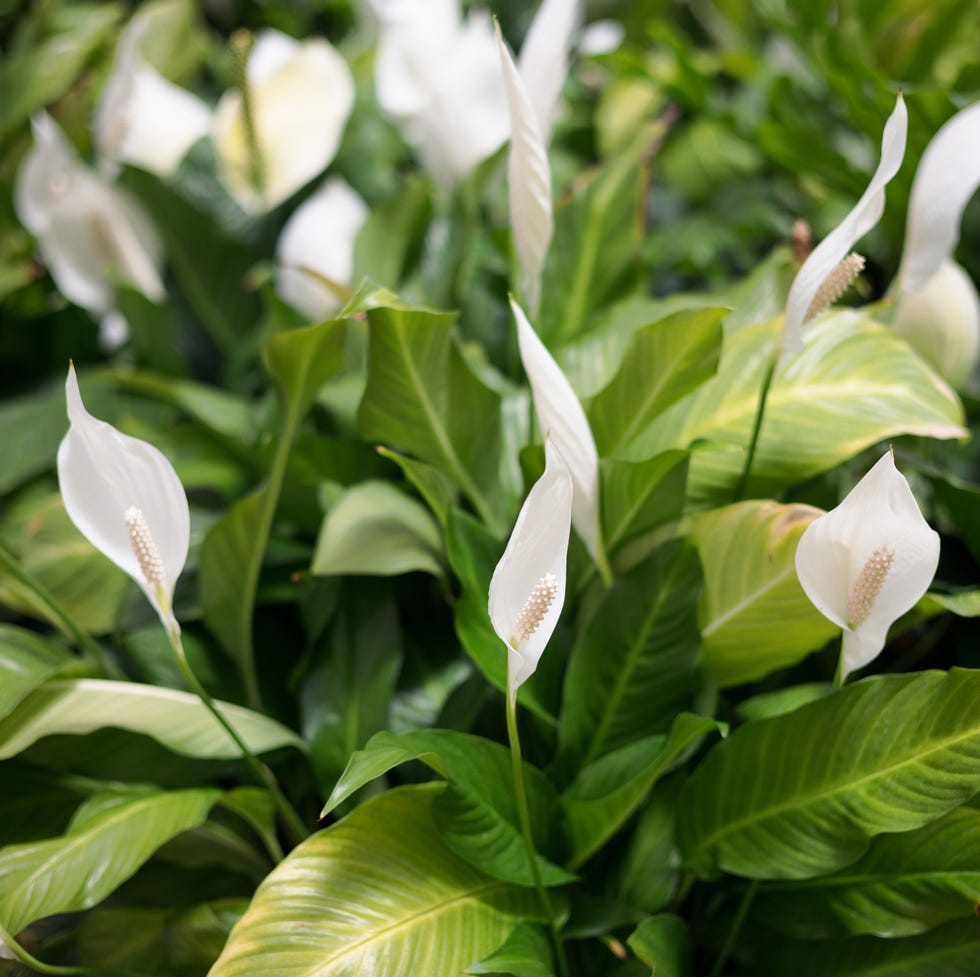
x,y
543,61
316,247
126,499
562,419
528,181
86,229
527,591
834,247
868,561
301,95
142,118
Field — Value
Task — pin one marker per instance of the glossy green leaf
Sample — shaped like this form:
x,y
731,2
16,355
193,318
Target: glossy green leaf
x,y
632,668
375,528
477,814
606,792
376,893
664,944
31,428
421,398
663,362
177,720
855,384
904,884
26,661
525,953
754,616
437,489
802,794
109,838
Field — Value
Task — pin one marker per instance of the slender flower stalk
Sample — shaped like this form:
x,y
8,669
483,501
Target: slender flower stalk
x,y
125,497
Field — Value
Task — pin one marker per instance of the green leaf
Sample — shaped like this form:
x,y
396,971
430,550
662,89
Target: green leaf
x,y
663,362
301,361
904,884
855,384
110,837
437,489
31,428
632,668
754,616
525,953
177,720
26,661
966,604
421,398
477,814
375,528
606,792
801,794
376,893
664,944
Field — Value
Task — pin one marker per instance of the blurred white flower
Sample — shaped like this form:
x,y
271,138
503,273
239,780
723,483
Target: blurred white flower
x,y
601,37
527,591
938,310
300,95
562,420
124,496
141,118
868,561
316,247
86,229
823,266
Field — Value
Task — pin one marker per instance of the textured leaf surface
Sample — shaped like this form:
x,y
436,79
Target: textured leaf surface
x,y
754,615
177,720
377,893
801,794
110,837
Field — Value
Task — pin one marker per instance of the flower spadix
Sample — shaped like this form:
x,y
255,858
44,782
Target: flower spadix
x,y
823,269
527,590
868,561
126,499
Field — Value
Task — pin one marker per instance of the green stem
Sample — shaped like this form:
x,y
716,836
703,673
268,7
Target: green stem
x,y
736,928
293,822
57,614
756,428
525,817
241,48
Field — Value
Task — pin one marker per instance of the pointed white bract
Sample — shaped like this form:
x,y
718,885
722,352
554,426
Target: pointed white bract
x,y
126,499
947,177
562,420
825,258
142,118
86,228
316,247
529,181
527,590
868,561
301,95
543,60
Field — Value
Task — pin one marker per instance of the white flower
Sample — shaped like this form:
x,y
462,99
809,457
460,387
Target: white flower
x,y
143,119
823,262
562,419
300,96
868,561
86,228
126,499
316,246
938,310
527,590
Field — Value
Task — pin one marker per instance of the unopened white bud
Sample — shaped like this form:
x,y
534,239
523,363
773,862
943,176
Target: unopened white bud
x,y
535,607
835,285
144,547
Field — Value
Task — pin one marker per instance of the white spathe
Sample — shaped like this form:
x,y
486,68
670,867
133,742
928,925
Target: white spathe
x,y
868,561
86,228
536,551
562,420
316,247
829,253
143,119
301,94
103,474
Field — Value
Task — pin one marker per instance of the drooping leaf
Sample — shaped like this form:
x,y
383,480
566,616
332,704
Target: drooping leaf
x,y
802,794
663,943
177,720
109,838
754,616
525,953
378,892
